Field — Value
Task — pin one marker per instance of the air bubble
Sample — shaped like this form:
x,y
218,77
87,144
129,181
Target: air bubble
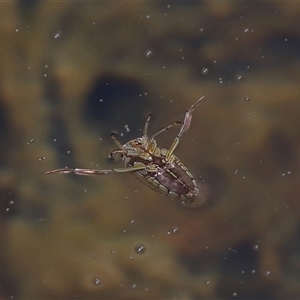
x,y
247,99
175,230
139,249
239,77
42,158
57,35
246,30
148,53
97,281
204,71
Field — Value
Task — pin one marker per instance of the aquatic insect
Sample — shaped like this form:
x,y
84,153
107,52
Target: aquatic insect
x,y
159,168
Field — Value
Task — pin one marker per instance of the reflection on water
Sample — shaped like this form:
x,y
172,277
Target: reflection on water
x,y
71,73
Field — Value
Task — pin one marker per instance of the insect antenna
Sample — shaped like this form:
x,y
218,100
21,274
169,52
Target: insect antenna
x,y
145,132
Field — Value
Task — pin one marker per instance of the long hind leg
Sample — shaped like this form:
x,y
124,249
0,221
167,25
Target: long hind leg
x,y
78,171
184,128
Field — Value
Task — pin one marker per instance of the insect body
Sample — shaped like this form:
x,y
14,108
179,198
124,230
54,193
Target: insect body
x,y
159,168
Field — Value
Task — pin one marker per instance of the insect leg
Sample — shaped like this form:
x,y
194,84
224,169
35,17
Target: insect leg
x,y
120,151
95,171
184,128
113,136
165,129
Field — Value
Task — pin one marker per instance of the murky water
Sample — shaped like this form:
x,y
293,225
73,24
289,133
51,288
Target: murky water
x,y
72,73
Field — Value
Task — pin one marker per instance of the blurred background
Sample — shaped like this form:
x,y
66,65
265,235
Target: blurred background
x,y
73,72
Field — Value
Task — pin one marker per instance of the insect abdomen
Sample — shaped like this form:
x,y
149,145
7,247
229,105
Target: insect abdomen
x,y
177,179
171,178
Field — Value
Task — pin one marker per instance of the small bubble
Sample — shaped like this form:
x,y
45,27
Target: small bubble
x,y
204,71
175,230
57,35
207,282
255,247
246,30
31,141
248,115
97,281
247,99
132,221
42,158
7,209
127,128
134,285
239,77
253,271
94,256
268,272
139,249
234,294
112,252
148,53
148,17
11,202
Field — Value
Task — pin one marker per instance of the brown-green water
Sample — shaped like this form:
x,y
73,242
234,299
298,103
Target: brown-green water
x,y
73,72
